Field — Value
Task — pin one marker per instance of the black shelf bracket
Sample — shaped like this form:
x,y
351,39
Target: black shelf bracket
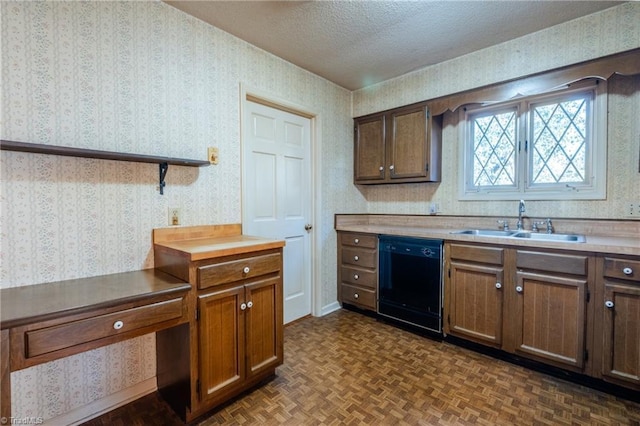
x,y
164,168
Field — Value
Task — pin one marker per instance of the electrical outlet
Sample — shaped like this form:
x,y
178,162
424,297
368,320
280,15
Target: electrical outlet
x,y
212,155
633,210
175,216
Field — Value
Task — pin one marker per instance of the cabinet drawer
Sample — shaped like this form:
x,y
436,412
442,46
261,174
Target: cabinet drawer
x,y
552,262
359,257
359,296
359,277
62,336
491,255
359,240
623,269
236,270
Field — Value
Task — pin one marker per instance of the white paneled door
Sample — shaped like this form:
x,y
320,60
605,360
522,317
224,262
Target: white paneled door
x,y
277,194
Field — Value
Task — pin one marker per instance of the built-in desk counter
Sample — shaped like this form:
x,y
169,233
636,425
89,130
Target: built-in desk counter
x,y
44,322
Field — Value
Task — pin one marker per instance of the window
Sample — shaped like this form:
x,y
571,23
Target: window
x,y
543,147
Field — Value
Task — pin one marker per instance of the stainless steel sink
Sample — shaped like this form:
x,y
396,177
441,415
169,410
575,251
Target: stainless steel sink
x,y
572,238
486,232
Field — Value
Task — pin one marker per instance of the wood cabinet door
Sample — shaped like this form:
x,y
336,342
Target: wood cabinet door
x,y
369,149
550,318
221,342
621,344
264,325
475,302
408,143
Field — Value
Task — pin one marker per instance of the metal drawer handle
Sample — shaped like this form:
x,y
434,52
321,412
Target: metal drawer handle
x,y
243,306
356,258
357,241
498,285
246,269
118,325
519,289
356,276
249,304
608,304
355,295
627,271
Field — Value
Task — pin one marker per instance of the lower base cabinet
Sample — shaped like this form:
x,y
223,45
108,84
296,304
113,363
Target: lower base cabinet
x,y
238,337
531,303
475,294
236,332
618,327
358,270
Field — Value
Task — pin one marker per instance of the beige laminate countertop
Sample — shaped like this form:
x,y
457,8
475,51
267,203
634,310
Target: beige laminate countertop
x,y
594,243
207,248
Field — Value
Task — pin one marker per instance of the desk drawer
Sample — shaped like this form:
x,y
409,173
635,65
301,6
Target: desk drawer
x,y
74,333
239,269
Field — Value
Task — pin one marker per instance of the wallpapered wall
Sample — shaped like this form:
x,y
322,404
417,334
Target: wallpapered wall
x,y
145,78
609,31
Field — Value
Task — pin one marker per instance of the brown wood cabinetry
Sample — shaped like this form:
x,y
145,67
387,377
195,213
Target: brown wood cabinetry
x,y
358,269
239,336
534,303
42,323
237,327
475,293
618,331
398,146
550,307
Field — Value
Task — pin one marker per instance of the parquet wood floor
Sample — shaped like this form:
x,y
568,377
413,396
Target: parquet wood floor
x,y
348,369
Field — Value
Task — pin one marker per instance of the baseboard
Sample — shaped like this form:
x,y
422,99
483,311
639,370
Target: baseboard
x,y
331,307
104,405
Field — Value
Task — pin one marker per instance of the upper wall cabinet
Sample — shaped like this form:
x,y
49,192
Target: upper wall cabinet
x,y
402,145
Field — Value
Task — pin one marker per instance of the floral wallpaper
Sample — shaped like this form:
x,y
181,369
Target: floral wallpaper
x,y
612,30
143,77
139,77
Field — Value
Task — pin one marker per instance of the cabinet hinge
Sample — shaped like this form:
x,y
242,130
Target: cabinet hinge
x,y
427,167
198,388
588,296
449,272
197,314
586,355
449,319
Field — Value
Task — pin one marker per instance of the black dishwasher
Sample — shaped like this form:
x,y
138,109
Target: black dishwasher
x,y
410,284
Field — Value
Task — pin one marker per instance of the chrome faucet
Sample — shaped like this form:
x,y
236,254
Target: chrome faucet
x,y
519,225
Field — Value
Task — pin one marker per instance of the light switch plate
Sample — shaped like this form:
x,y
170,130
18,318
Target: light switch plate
x,y
212,154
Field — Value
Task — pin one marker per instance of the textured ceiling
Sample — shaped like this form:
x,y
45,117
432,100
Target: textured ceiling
x,y
358,43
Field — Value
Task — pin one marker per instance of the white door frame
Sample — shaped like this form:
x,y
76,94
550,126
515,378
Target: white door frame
x,y
273,101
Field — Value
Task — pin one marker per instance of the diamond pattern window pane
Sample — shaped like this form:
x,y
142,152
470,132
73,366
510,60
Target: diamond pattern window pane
x,y
559,142
494,149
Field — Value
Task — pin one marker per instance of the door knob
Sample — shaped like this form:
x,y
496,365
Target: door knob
x,y
308,227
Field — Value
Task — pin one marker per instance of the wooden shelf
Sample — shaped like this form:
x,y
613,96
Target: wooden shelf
x,y
163,162
92,153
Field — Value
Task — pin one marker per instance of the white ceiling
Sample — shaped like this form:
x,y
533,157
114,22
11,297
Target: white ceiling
x,y
362,42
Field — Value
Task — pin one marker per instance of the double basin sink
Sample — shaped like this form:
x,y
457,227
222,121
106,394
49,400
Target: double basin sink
x,y
570,238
